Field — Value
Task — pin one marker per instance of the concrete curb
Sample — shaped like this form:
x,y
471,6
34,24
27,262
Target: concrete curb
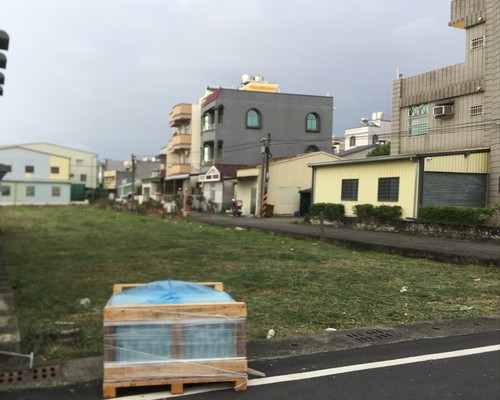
x,y
91,369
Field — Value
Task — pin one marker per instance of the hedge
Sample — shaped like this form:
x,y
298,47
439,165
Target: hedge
x,y
383,213
329,210
455,215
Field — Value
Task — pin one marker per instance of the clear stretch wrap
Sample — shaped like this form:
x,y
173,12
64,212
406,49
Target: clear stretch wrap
x,y
174,330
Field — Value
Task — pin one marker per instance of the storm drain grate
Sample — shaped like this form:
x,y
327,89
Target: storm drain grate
x,y
369,336
36,374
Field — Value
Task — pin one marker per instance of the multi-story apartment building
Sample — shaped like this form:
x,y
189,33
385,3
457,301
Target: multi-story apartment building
x,y
445,136
456,109
177,153
228,127
234,121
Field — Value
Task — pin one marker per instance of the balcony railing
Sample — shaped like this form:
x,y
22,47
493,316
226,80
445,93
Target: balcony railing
x,y
179,142
176,169
207,127
180,114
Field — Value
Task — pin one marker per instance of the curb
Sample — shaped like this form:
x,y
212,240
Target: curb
x,y
91,369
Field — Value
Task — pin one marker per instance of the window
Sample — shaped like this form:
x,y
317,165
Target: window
x,y
54,170
352,141
349,190
374,139
388,189
477,42
312,122
476,111
83,178
206,123
5,190
30,191
418,119
312,148
56,191
253,119
79,161
29,169
208,152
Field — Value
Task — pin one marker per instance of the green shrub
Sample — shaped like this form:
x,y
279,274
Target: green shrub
x,y
364,210
455,215
388,213
383,213
329,210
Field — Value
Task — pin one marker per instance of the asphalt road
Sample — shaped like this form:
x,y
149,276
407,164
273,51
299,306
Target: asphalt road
x,y
443,249
438,368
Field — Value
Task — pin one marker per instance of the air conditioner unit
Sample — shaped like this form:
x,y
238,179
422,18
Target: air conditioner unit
x,y
443,111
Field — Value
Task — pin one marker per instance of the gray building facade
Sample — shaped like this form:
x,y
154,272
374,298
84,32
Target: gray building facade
x,y
233,123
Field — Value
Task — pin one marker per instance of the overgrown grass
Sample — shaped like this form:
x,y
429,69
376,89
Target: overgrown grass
x,y
58,255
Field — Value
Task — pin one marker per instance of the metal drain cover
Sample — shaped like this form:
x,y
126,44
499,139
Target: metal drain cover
x,y
369,336
34,375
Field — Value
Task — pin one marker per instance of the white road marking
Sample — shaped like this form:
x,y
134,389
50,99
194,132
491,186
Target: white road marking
x,y
323,372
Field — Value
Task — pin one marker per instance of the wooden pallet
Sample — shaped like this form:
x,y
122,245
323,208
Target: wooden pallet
x,y
176,371
176,384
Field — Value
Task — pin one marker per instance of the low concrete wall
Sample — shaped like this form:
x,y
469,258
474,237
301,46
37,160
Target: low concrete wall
x,y
480,233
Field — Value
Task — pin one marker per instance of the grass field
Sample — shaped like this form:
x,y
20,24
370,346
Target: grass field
x,y
58,255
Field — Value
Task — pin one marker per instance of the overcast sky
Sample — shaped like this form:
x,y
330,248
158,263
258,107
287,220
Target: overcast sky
x,y
103,75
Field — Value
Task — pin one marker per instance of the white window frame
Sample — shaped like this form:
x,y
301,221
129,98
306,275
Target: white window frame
x,y
476,111
418,119
477,42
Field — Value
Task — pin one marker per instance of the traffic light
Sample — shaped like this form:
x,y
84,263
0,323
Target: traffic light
x,y
4,45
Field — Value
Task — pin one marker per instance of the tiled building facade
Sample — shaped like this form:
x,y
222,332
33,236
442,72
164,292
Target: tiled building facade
x,y
456,108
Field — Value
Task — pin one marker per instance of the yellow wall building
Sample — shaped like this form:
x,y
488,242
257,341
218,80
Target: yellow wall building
x,y
409,181
287,177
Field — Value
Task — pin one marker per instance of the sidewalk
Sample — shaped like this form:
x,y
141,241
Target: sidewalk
x,y
418,246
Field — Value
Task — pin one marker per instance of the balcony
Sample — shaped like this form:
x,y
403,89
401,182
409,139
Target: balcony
x,y
178,169
180,115
179,142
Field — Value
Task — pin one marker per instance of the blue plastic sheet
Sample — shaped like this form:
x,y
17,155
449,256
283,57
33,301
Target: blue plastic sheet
x,y
169,292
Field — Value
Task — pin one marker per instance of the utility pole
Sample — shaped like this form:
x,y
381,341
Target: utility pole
x,y
132,198
266,156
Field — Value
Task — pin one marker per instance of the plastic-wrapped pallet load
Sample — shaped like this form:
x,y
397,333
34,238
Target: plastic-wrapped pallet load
x,y
173,332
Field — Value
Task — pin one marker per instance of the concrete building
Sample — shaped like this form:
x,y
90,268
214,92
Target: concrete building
x,y
233,122
376,130
456,109
445,136
84,165
177,152
34,177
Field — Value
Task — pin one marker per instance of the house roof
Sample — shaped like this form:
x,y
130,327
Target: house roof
x,y
354,150
27,149
398,157
26,145
212,97
229,170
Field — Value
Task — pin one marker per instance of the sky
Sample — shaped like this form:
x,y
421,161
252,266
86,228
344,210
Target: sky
x,y
103,75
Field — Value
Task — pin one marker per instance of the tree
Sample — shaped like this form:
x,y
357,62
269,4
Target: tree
x,y
380,150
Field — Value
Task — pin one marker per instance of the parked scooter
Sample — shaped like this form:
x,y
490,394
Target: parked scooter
x,y
236,207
